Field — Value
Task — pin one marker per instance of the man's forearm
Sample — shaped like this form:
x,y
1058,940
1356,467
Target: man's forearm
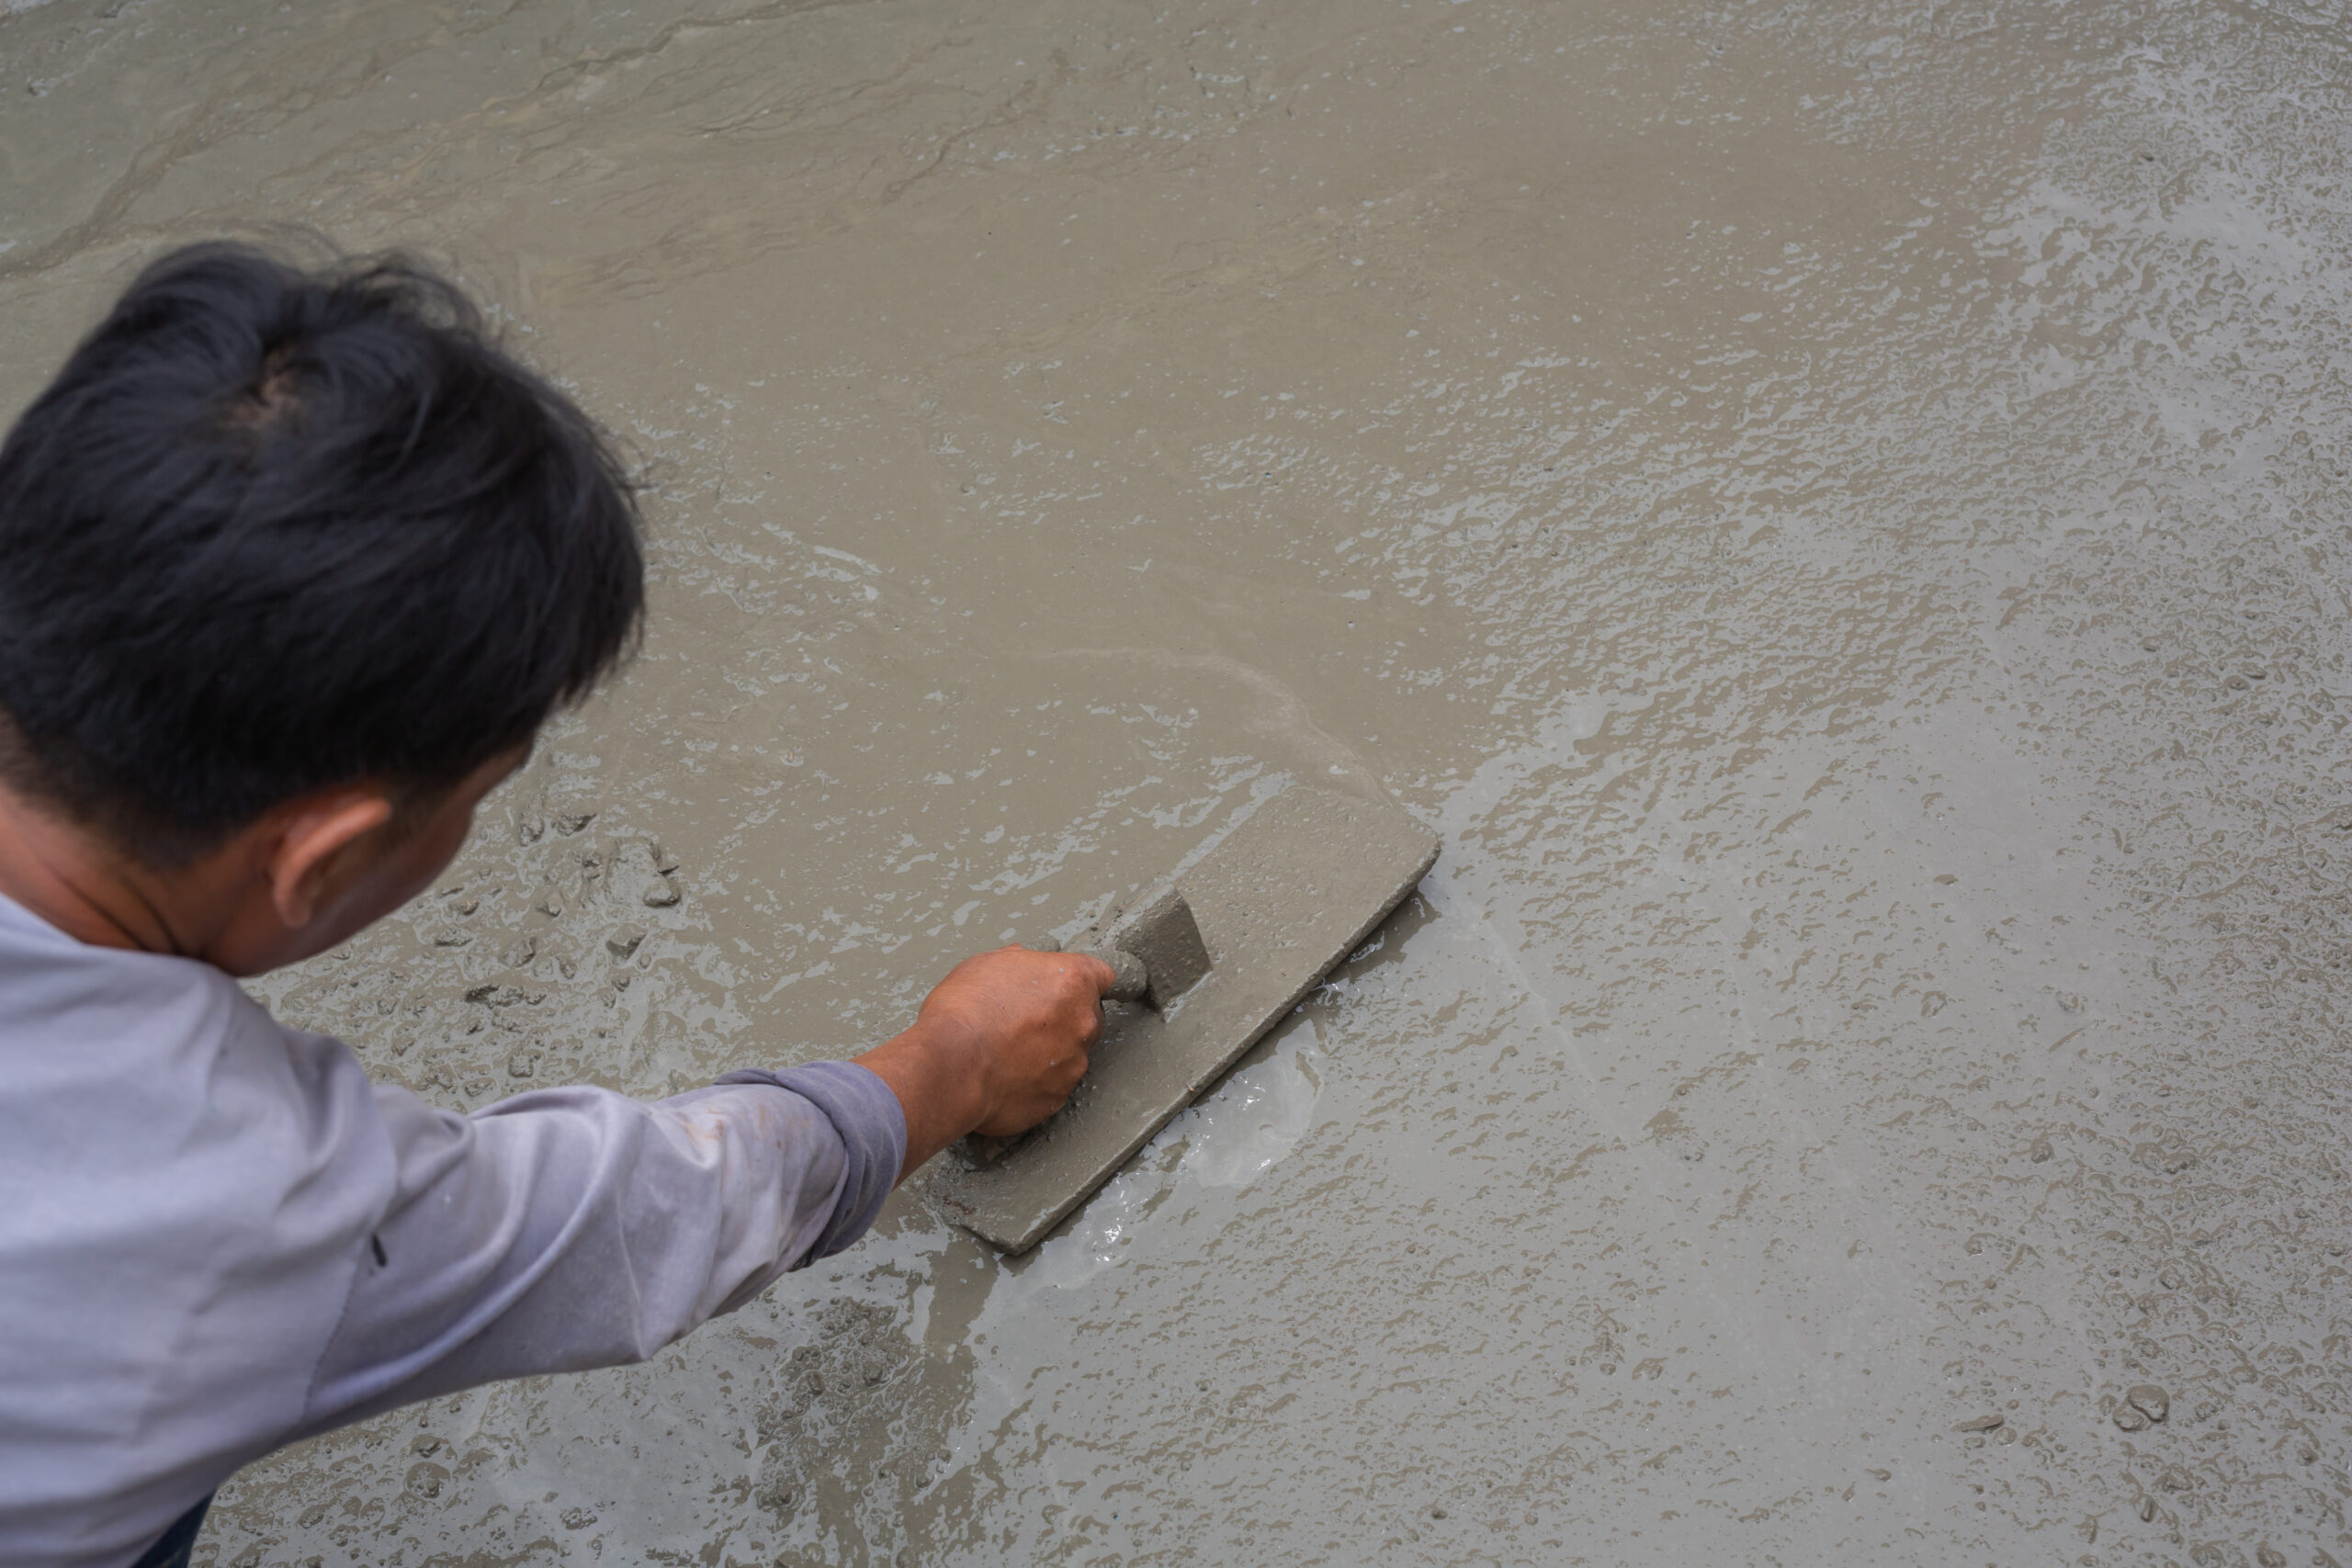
x,y
937,1088
576,1227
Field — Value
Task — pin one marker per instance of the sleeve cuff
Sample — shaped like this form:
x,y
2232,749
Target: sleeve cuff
x,y
872,1132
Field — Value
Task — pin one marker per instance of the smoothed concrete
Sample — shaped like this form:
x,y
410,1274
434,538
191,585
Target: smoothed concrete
x,y
1294,890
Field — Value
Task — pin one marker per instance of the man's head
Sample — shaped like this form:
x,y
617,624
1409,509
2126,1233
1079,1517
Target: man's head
x,y
275,533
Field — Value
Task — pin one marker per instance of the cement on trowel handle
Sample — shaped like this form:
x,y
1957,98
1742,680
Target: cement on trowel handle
x,y
1266,914
1130,978
1164,939
1156,954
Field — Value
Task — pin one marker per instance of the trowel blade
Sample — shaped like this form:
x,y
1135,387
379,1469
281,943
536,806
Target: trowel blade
x,y
1290,892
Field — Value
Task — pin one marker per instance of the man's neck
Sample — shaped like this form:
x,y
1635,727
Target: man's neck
x,y
77,882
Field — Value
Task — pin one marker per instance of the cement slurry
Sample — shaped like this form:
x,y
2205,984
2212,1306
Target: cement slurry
x,y
1835,512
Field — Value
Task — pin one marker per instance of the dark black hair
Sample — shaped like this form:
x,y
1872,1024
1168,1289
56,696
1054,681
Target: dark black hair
x,y
273,528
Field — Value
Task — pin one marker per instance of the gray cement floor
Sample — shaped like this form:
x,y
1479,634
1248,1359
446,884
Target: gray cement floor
x,y
1835,512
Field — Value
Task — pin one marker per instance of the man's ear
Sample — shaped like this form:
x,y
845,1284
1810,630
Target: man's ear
x,y
315,852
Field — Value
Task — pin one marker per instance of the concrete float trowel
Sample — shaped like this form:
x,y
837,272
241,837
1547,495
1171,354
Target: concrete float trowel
x,y
1206,964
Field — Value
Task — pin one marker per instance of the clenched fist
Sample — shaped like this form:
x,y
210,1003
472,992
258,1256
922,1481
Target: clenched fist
x,y
996,1047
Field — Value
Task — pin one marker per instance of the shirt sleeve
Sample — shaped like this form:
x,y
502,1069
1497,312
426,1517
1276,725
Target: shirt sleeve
x,y
575,1228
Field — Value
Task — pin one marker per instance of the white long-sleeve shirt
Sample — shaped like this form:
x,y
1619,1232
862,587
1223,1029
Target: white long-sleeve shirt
x,y
216,1236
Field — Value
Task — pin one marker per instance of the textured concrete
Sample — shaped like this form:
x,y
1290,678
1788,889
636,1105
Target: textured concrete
x,y
1288,893
1835,512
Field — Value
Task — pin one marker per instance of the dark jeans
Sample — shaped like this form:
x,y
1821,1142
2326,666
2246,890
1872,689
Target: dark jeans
x,y
178,1542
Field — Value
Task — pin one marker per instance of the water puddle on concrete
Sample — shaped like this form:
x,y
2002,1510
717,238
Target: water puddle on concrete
x,y
1835,512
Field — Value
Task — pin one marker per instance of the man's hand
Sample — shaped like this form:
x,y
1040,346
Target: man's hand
x,y
996,1048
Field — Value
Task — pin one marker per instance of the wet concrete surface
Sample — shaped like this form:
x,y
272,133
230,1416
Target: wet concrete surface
x,y
1834,512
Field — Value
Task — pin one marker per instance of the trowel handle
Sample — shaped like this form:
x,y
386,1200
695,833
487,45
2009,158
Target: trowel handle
x,y
1130,978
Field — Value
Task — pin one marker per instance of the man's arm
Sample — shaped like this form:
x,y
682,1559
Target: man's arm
x,y
576,1227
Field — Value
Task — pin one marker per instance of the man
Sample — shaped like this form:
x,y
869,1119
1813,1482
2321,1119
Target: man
x,y
293,567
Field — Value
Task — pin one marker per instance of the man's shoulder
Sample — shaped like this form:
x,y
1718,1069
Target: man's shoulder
x,y
133,1024
132,1073
185,1190
52,983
